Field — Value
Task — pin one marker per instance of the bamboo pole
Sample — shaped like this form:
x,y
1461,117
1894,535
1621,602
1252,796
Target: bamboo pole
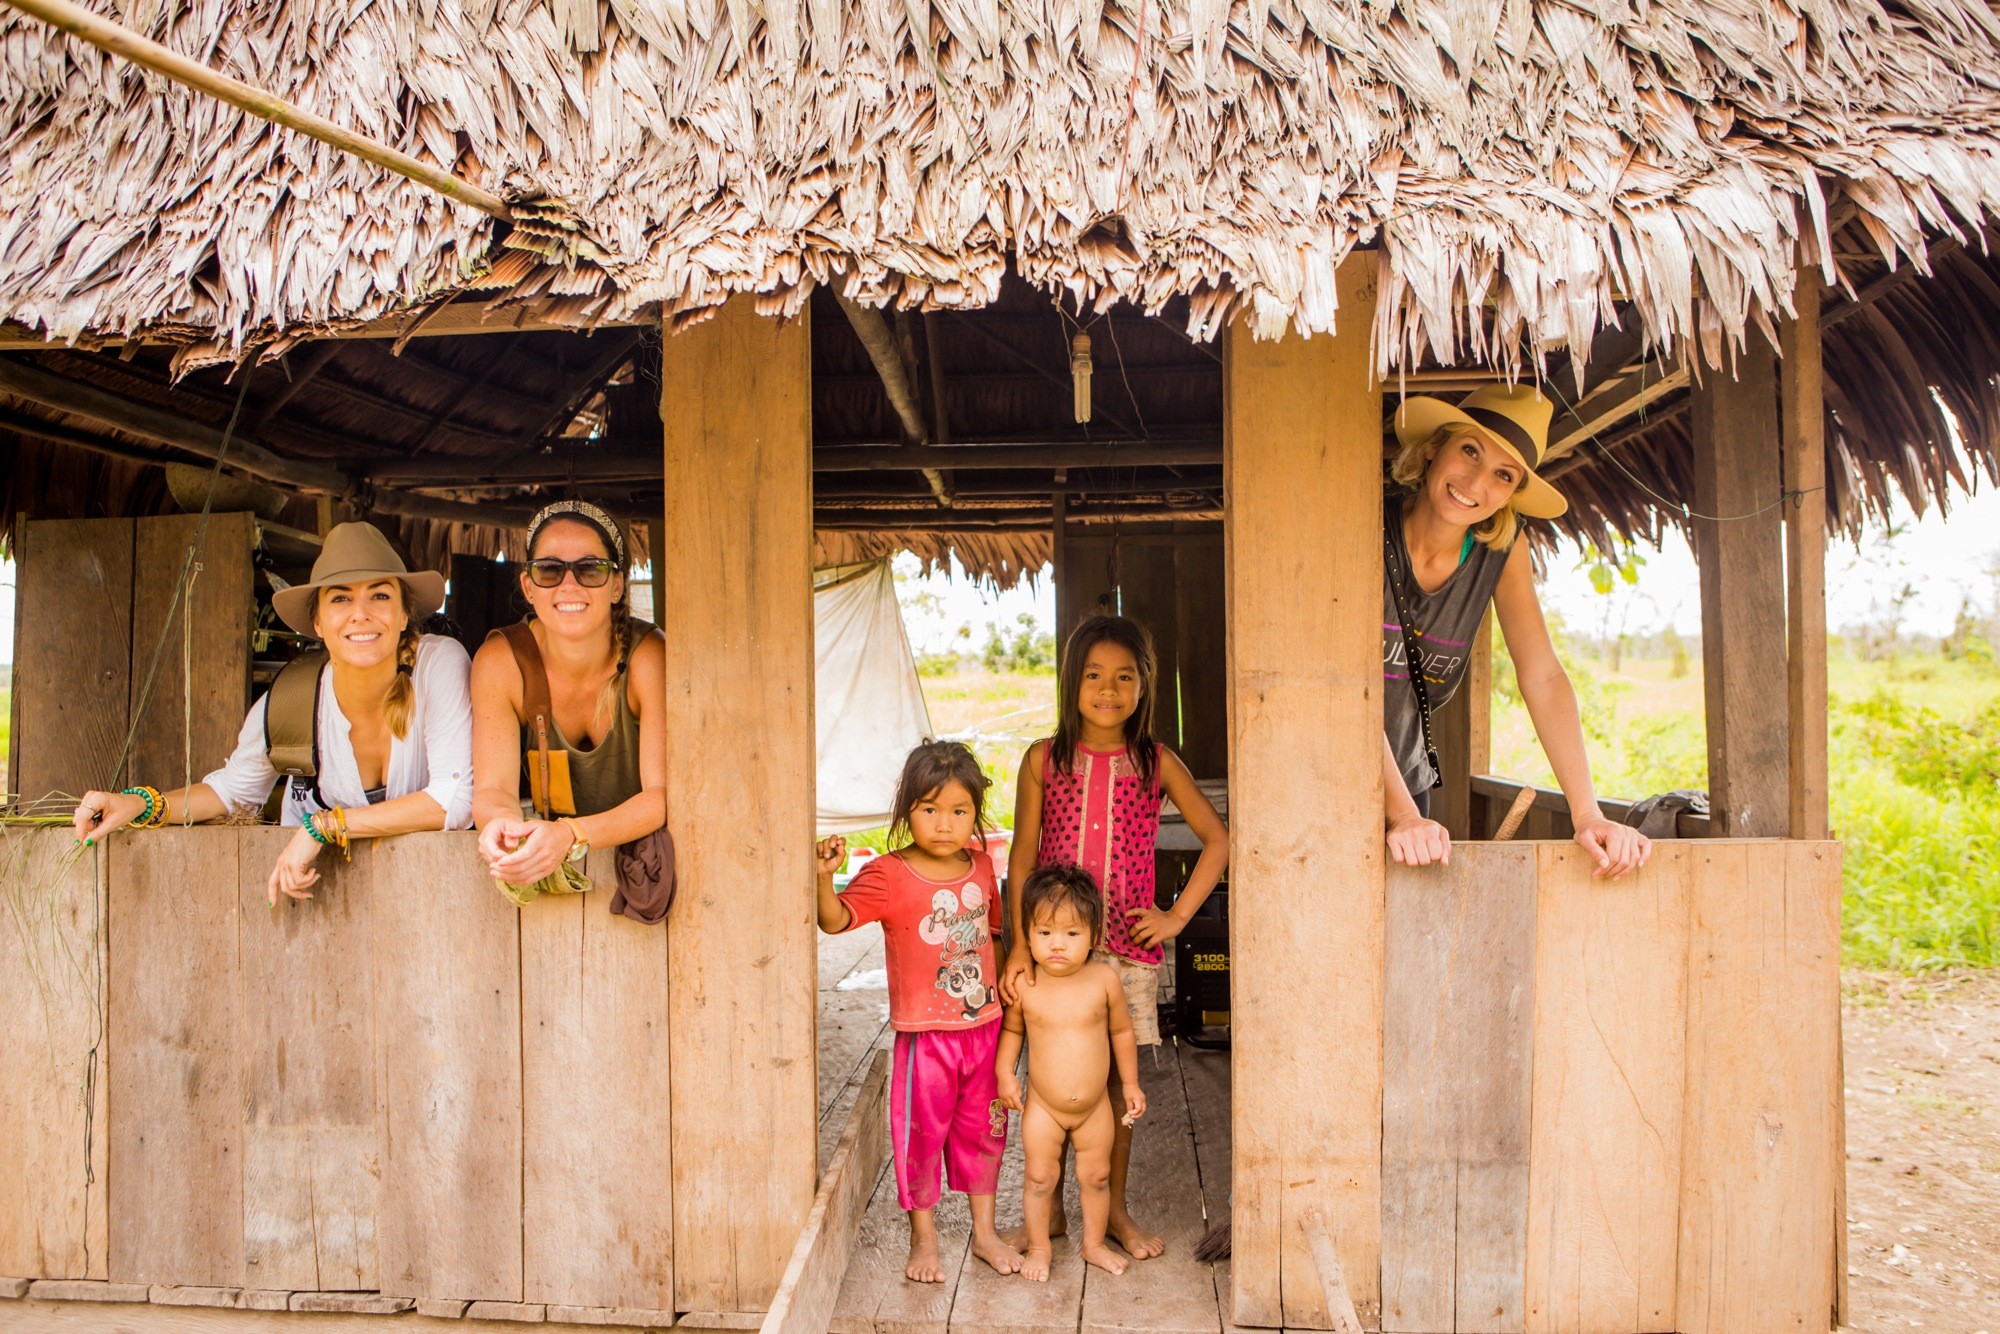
x,y
79,22
880,344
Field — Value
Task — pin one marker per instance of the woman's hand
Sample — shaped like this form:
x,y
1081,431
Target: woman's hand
x,y
829,853
101,812
1150,926
1618,848
525,851
1017,972
294,875
1416,841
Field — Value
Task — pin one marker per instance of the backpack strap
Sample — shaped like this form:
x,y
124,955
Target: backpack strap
x,y
291,722
535,707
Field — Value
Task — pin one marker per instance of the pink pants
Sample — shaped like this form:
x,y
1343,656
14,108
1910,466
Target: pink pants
x,y
944,1105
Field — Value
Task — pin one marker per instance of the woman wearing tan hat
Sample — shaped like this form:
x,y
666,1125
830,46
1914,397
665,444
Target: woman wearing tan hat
x,y
1449,551
392,729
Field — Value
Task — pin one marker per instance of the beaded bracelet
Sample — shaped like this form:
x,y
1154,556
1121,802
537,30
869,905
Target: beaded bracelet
x,y
151,796
311,823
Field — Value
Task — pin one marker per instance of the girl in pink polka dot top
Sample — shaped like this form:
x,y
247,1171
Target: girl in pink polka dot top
x,y
1090,796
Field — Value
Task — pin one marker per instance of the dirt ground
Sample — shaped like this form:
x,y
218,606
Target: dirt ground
x,y
1923,1152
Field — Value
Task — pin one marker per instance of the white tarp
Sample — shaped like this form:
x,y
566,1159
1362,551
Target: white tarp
x,y
869,703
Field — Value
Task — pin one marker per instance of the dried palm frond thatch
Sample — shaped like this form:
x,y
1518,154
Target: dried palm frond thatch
x,y
1518,163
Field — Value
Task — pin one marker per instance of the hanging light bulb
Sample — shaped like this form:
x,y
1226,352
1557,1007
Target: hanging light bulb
x,y
1079,372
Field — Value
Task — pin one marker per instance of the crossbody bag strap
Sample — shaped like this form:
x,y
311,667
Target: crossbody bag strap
x,y
1415,658
535,707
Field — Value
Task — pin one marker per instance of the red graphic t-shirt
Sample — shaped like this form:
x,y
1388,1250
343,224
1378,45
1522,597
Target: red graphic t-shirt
x,y
938,938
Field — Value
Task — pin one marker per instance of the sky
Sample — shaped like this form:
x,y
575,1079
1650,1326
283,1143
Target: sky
x,y
1945,562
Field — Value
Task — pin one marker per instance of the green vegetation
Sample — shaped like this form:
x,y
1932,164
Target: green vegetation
x,y
1914,743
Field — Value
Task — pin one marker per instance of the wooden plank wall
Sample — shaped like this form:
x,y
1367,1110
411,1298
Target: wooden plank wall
x,y
53,1099
176,1070
736,565
449,1073
1742,568
312,1143
72,653
1302,473
1455,1092
1680,1167
180,739
594,1065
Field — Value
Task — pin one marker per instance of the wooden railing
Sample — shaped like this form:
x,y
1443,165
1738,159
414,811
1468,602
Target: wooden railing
x,y
405,1085
1612,1105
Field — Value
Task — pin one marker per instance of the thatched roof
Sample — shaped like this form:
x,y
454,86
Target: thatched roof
x,y
1531,159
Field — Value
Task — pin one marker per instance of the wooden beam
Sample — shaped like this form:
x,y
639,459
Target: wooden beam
x,y
735,560
449,319
1631,393
246,454
1339,1302
894,372
310,362
1302,463
806,1296
1740,551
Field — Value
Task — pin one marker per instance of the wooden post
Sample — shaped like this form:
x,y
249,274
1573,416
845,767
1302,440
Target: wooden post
x,y
735,561
1802,409
1803,412
1465,737
1740,550
72,654
1302,475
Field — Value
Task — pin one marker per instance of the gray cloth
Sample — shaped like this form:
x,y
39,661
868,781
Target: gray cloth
x,y
1444,623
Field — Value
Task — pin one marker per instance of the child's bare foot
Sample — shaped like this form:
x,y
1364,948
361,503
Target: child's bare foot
x,y
996,1252
1058,1227
1110,1261
1138,1243
1035,1264
926,1265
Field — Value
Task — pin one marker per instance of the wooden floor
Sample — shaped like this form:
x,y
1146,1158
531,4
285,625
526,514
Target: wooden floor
x,y
1180,1178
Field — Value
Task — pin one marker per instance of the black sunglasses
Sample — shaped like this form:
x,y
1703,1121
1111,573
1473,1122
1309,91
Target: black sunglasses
x,y
590,572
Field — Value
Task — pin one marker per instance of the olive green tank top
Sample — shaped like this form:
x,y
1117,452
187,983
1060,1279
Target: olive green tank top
x,y
607,774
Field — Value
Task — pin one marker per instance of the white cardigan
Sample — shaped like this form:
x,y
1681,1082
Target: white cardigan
x,y
435,757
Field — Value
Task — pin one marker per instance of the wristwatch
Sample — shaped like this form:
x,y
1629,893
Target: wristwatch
x,y
581,847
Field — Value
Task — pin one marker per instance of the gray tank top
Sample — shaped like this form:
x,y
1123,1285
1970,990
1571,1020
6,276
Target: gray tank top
x,y
1443,623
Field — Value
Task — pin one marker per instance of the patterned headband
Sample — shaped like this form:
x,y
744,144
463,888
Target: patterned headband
x,y
581,511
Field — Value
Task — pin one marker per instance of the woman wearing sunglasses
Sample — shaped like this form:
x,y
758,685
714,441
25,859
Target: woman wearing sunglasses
x,y
594,764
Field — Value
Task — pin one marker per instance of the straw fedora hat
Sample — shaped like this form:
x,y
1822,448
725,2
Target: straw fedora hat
x,y
1514,417
356,553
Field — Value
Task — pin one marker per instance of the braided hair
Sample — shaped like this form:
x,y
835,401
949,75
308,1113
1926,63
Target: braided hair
x,y
402,697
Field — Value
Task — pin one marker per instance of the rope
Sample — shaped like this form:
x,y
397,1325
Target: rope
x,y
182,583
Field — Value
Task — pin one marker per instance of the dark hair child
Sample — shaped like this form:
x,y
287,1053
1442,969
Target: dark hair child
x,y
938,904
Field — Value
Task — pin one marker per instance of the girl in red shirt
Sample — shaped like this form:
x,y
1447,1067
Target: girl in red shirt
x,y
939,907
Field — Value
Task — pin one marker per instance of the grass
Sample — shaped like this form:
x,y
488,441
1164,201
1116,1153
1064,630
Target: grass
x,y
1914,755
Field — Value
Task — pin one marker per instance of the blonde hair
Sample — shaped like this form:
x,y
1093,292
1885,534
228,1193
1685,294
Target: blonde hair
x,y
1414,458
401,700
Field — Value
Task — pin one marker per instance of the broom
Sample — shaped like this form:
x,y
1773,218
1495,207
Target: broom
x,y
1214,1243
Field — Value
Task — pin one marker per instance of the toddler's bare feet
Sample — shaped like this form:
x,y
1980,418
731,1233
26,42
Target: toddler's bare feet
x,y
1035,1264
1058,1227
1138,1243
1110,1261
990,1248
925,1266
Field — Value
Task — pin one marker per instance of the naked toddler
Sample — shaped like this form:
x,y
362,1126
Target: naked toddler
x,y
1067,1013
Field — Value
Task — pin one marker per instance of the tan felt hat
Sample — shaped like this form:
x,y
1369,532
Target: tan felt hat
x,y
1515,417
356,553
